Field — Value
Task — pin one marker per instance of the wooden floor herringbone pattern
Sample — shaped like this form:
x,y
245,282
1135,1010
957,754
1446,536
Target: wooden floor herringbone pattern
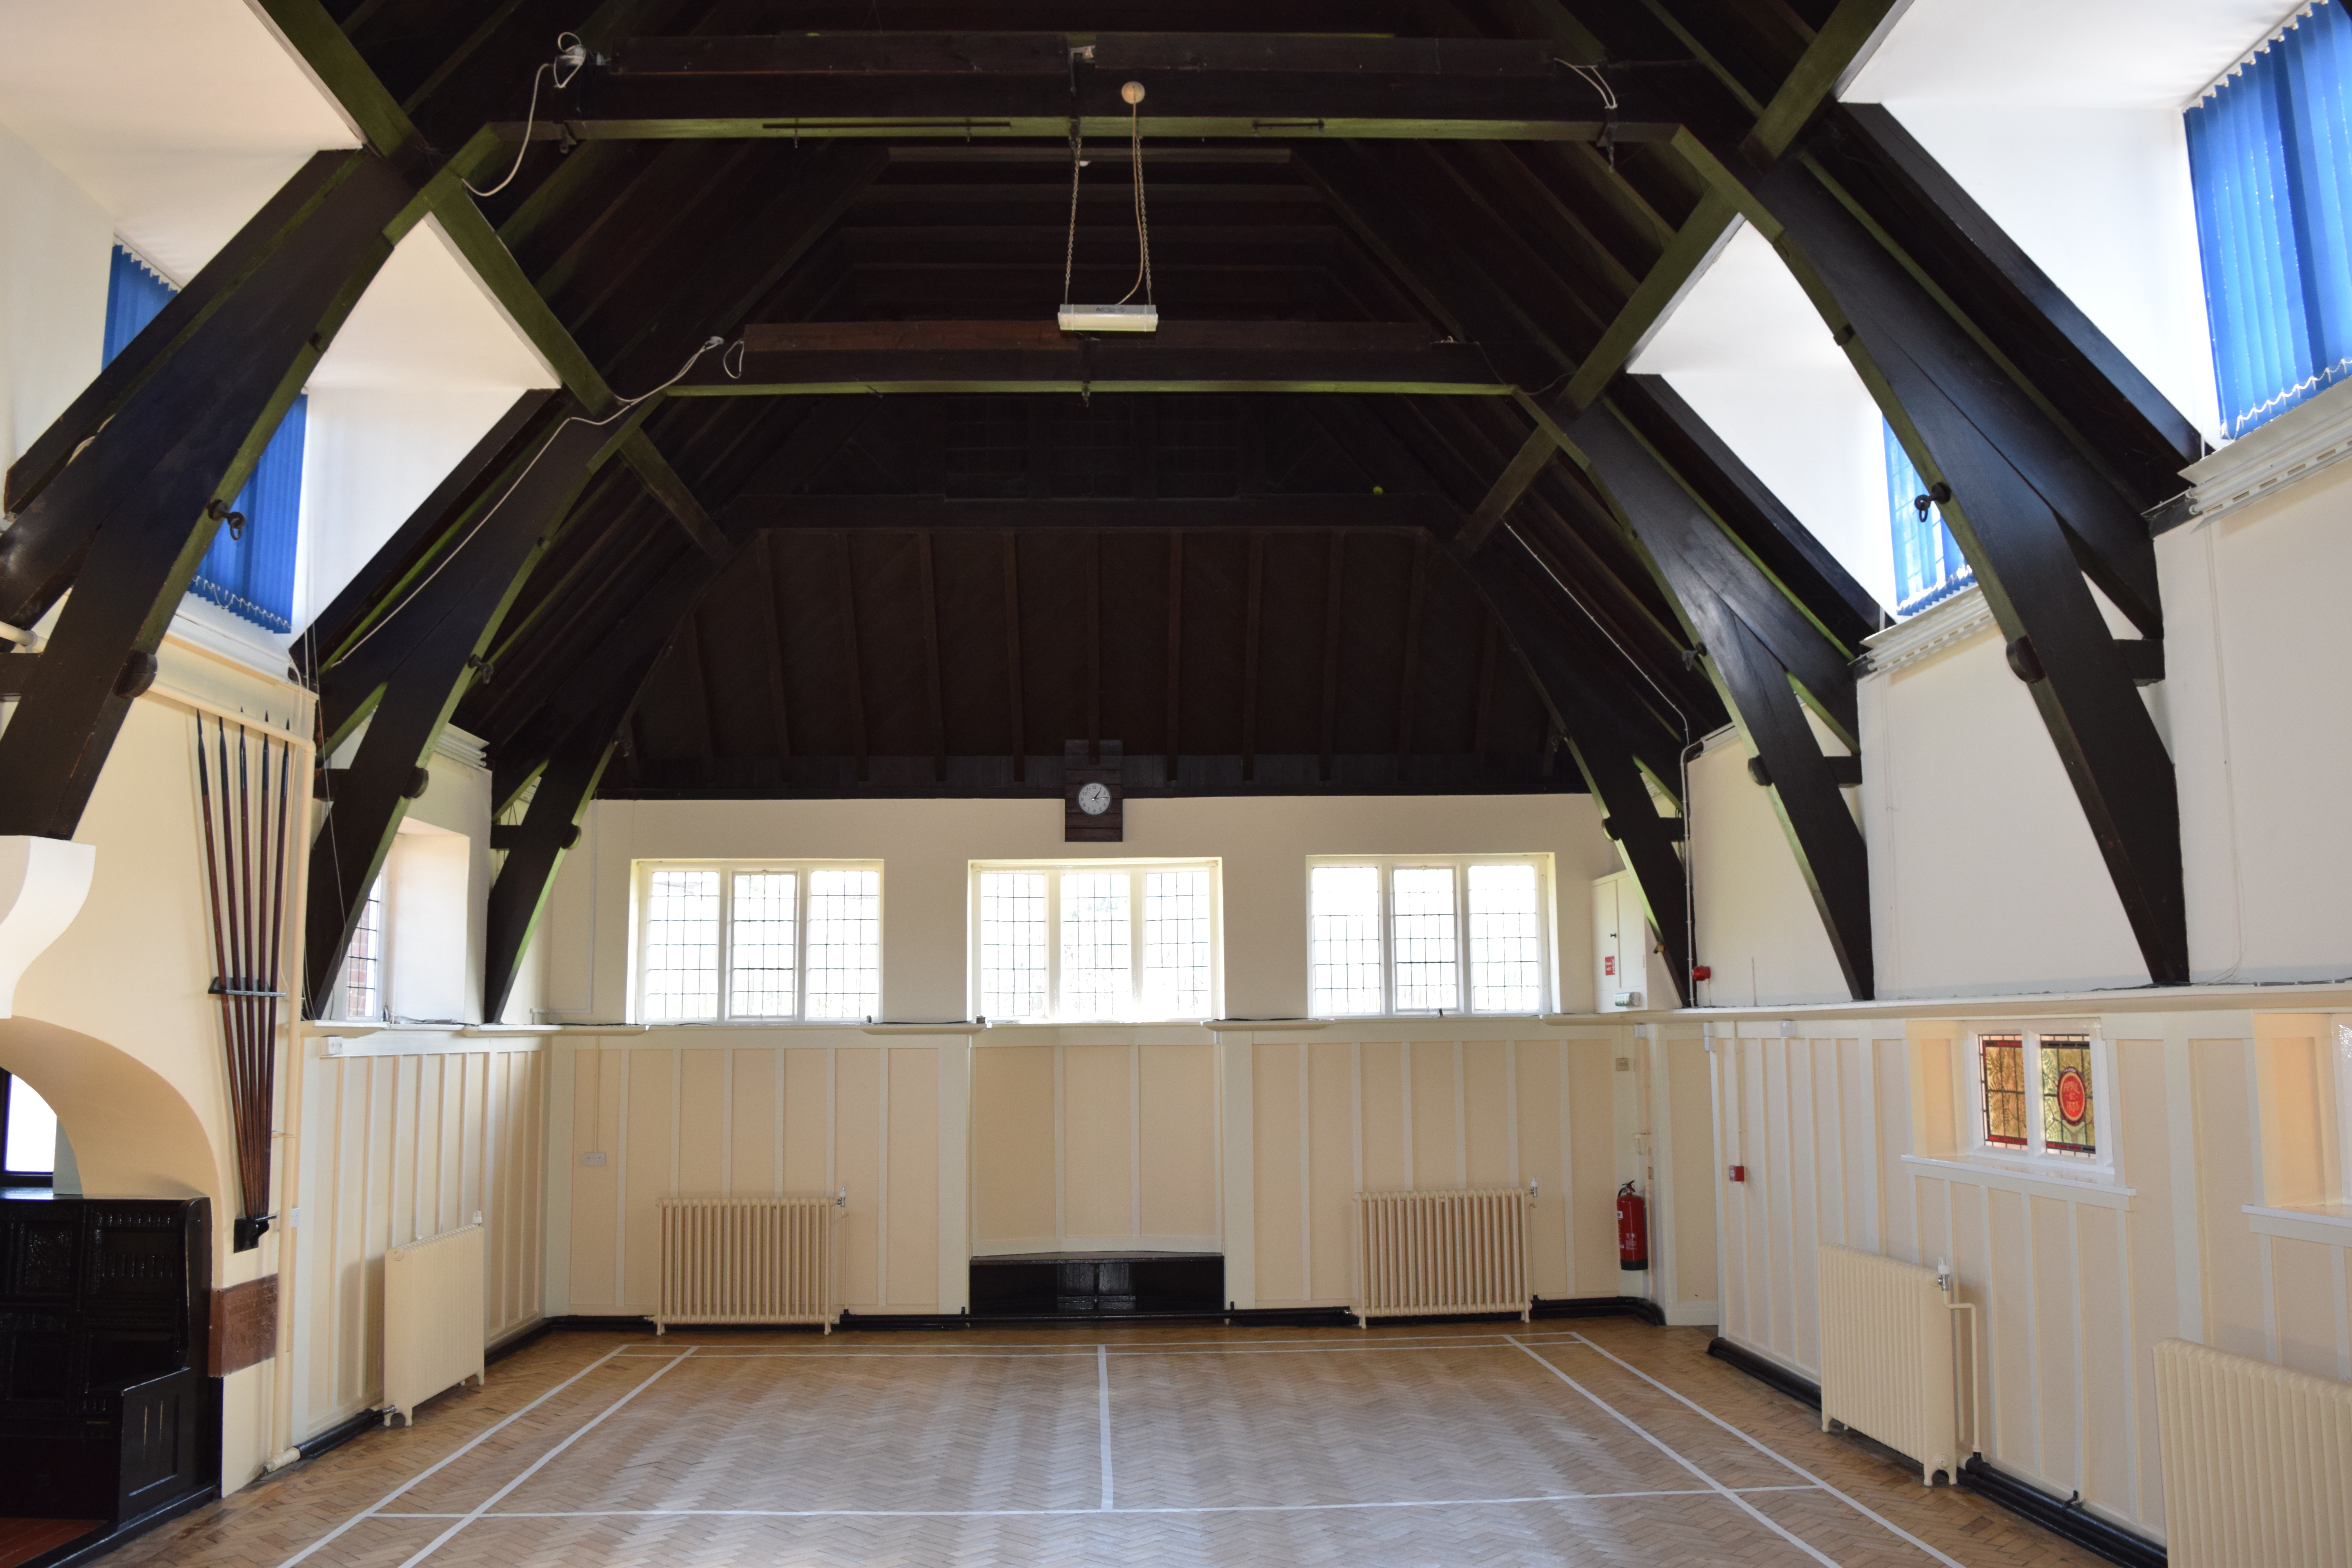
x,y
1458,1444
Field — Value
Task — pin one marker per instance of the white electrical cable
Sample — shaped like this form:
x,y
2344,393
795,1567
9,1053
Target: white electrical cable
x,y
1600,84
451,554
1142,223
575,56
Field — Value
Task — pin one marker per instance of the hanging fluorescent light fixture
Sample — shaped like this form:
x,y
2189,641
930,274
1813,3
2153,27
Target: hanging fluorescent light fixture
x,y
1122,317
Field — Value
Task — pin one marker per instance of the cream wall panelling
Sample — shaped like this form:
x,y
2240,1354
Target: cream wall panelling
x,y
1334,1113
2075,1279
396,1147
695,1112
1096,1140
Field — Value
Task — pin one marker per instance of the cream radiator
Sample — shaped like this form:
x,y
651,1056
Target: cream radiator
x,y
1424,1252
2257,1461
746,1260
1889,1363
433,1336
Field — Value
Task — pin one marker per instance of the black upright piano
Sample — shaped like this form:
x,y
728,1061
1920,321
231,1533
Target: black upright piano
x,y
106,1411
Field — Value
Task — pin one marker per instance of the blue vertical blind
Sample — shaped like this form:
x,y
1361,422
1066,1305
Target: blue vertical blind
x,y
251,576
2270,159
1928,565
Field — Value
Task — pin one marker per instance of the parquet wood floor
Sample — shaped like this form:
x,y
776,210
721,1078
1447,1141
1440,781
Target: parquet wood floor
x,y
1601,1443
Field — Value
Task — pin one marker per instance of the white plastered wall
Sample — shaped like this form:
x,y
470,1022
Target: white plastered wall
x,y
1984,878
54,244
1758,928
2257,651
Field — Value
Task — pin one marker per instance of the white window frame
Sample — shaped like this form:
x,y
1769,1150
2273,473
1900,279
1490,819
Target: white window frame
x,y
2036,1155
641,909
1053,871
1547,911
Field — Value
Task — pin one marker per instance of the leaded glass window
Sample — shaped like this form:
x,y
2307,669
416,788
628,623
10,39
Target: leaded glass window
x,y
2004,1091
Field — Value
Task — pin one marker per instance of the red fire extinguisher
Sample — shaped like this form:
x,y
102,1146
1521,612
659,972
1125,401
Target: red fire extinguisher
x,y
1632,1231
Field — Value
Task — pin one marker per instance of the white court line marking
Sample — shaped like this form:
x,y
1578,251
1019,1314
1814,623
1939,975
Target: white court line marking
x,y
1495,1342
1086,1512
1102,1387
1787,1463
447,1459
539,1464
1731,1497
1550,1336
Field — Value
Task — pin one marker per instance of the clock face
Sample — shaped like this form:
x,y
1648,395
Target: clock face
x,y
1093,799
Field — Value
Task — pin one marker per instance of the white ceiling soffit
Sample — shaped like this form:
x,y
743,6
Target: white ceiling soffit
x,y
427,322
178,117
1746,349
2108,53
2062,118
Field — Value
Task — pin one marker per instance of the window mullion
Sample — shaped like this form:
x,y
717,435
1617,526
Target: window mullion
x,y
725,1008
1054,945
2032,1076
800,942
1463,994
1134,944
1387,945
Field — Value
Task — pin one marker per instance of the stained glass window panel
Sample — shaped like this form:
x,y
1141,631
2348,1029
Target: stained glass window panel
x,y
2068,1117
2004,1089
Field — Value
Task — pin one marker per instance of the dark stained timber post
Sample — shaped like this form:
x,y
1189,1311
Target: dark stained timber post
x,y
549,828
438,625
1757,640
2033,514
127,521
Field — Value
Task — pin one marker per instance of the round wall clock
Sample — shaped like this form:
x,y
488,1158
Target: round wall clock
x,y
1093,799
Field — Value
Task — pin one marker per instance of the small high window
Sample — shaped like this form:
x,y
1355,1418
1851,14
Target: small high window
x,y
1444,936
248,569
363,962
1928,565
759,943
2270,168
2037,1094
1098,943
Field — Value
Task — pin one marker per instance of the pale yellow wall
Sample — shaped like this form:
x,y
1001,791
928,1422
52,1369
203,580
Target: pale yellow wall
x,y
926,848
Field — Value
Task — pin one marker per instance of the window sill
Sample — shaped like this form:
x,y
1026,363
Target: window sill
x,y
2328,1225
2032,1181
